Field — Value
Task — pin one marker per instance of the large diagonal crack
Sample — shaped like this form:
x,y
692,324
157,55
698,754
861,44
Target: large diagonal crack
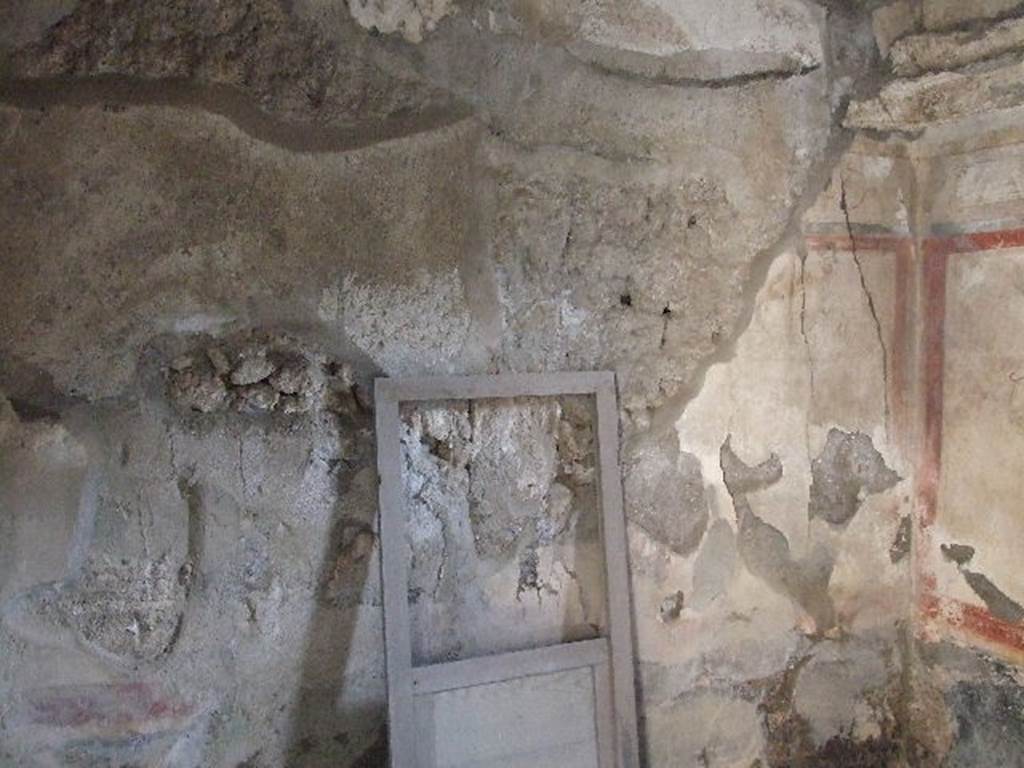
x,y
868,297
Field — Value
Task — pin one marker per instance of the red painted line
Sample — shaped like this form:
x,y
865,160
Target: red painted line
x,y
936,253
934,267
976,242
972,242
900,350
842,242
117,705
972,620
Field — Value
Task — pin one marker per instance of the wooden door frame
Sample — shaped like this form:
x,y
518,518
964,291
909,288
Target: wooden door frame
x,y
610,657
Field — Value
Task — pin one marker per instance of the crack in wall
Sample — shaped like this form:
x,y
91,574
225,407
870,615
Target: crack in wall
x,y
241,467
869,298
666,316
664,417
802,252
444,555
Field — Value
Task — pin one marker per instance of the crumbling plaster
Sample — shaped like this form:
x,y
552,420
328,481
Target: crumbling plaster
x,y
221,221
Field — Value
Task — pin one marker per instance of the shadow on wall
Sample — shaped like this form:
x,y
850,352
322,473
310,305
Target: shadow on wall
x,y
305,471
180,617
336,715
320,728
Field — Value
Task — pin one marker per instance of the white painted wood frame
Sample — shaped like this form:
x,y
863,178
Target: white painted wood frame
x,y
610,657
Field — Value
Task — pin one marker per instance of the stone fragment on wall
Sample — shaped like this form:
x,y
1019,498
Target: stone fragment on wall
x,y
943,14
930,52
411,18
913,104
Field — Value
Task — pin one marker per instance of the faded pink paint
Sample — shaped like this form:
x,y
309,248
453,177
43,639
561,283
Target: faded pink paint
x,y
120,706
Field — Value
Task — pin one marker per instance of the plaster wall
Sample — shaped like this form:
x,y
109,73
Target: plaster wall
x,y
220,223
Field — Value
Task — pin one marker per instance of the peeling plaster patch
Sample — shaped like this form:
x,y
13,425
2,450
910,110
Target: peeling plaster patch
x,y
847,469
128,610
989,724
741,478
671,607
765,549
409,17
422,324
664,492
666,27
960,554
42,470
1001,605
292,67
529,579
998,602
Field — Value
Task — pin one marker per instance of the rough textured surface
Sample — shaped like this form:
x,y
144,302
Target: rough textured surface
x,y
287,65
924,53
412,18
944,75
503,531
846,471
221,221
